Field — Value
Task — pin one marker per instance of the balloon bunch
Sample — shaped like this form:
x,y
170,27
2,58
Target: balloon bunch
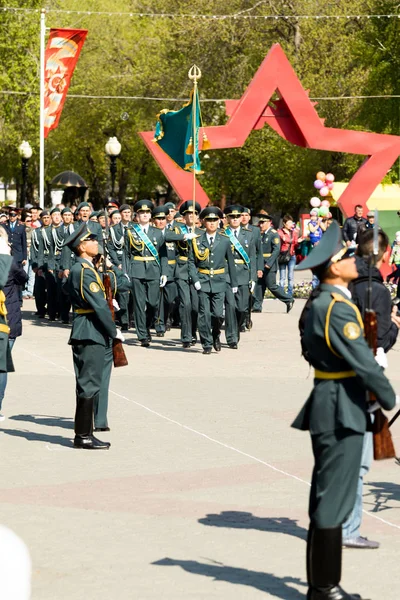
x,y
324,183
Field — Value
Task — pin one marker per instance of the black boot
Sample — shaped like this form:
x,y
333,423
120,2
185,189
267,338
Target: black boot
x,y
324,565
84,437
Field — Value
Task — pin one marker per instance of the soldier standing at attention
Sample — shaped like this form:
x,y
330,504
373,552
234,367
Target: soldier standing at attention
x,y
271,246
336,411
211,260
118,256
91,337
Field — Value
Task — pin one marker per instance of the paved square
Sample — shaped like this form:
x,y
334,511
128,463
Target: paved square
x,y
204,491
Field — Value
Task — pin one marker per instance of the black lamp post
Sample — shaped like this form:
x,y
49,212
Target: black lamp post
x,y
113,149
25,152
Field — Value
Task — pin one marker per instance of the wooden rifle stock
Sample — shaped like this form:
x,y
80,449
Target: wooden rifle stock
x,y
119,355
383,443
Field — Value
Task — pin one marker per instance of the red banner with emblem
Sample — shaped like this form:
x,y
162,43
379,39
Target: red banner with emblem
x,y
62,53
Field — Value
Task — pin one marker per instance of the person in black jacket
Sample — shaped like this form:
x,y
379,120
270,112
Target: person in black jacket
x,y
388,327
16,238
16,278
352,225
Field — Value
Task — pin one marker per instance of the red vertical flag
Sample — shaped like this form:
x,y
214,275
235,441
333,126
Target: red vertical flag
x,y
62,53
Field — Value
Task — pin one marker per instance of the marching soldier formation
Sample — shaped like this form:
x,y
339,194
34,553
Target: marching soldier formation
x,y
202,268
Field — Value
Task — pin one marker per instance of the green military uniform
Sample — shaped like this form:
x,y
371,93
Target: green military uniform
x,y
210,263
335,414
244,254
47,263
271,246
256,237
120,283
39,290
91,339
146,265
6,364
187,295
119,257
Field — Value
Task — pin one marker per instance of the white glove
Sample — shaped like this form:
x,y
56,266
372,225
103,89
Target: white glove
x,y
189,236
163,280
252,286
4,247
197,286
235,290
116,305
119,336
381,358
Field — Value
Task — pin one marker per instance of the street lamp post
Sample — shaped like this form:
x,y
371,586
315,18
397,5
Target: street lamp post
x,y
113,149
25,152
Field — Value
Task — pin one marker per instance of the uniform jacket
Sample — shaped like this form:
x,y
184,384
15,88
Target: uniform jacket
x,y
146,269
256,233
182,249
271,247
86,292
16,278
116,246
245,273
334,338
6,364
50,247
17,240
219,257
34,249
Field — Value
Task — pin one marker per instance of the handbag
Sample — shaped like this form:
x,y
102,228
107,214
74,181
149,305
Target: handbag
x,y
285,256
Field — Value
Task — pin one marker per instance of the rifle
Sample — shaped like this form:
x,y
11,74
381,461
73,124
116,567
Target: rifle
x,y
119,356
250,306
383,443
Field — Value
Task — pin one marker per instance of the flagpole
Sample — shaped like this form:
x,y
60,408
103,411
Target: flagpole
x,y
194,75
42,92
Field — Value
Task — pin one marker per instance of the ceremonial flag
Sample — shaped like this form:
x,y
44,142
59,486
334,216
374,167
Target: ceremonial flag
x,y
61,56
177,133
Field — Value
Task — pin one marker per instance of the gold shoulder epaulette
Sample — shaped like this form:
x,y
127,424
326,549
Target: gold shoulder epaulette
x,y
222,233
85,266
274,231
337,297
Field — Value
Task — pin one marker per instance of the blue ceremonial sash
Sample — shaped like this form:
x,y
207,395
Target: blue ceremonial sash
x,y
238,246
150,246
183,228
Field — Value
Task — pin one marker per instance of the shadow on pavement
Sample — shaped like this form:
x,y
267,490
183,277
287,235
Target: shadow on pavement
x,y
245,520
380,493
28,315
265,582
39,437
62,422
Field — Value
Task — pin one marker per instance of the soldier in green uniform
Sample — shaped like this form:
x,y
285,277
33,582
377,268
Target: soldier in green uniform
x,y
188,296
169,292
256,235
271,245
147,268
47,263
6,364
92,333
336,411
118,256
39,290
244,253
211,260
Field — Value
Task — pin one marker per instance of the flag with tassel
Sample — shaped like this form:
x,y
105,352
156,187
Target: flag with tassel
x,y
177,133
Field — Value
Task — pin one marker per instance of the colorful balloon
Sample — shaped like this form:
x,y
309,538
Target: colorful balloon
x,y
329,178
315,202
323,211
324,191
325,203
318,184
321,176
330,186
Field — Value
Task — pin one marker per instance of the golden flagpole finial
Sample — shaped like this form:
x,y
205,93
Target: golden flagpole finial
x,y
194,74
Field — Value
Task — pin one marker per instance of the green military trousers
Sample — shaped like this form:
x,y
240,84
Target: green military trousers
x,y
92,365
165,309
337,456
211,308
146,297
188,309
236,307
